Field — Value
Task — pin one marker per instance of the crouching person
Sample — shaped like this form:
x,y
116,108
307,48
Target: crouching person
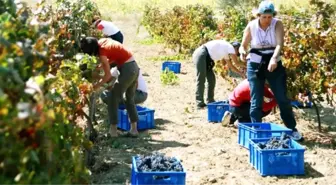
x,y
140,95
239,101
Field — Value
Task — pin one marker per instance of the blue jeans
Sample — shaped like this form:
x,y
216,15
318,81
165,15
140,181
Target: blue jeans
x,y
277,82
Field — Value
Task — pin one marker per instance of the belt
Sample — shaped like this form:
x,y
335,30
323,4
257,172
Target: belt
x,y
259,51
266,57
131,59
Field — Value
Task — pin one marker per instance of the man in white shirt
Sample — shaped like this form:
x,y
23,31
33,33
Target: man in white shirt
x,y
140,93
109,29
204,58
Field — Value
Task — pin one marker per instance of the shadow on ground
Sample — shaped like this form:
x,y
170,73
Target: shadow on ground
x,y
327,137
310,172
327,116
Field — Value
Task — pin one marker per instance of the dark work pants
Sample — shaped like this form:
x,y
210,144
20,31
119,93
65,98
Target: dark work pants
x,y
204,73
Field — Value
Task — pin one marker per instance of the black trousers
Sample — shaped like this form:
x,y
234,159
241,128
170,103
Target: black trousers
x,y
118,37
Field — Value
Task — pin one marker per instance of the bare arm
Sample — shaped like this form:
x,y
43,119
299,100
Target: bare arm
x,y
231,66
237,61
245,42
279,34
107,75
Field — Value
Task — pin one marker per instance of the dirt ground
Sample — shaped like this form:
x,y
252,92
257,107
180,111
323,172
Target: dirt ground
x,y
209,152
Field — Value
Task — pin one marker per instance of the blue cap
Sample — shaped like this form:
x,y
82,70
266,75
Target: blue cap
x,y
266,7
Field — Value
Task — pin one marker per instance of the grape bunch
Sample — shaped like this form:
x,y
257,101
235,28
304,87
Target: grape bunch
x,y
275,143
157,162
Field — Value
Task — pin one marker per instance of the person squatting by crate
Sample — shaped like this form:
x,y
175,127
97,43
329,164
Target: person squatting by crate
x,y
113,53
266,35
108,28
141,93
239,101
204,58
303,99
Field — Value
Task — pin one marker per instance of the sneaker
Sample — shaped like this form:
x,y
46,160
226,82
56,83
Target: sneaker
x,y
297,136
226,118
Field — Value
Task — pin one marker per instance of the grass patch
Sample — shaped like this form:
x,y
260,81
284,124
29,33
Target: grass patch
x,y
169,78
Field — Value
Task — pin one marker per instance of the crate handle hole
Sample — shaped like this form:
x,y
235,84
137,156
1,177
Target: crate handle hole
x,y
282,154
161,177
256,127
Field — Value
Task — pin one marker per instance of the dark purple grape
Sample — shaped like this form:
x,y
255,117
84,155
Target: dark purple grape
x,y
157,162
274,143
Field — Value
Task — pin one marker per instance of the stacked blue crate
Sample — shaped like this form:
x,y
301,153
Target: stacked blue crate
x,y
277,162
248,131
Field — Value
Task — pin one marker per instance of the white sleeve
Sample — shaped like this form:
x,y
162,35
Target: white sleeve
x,y
231,49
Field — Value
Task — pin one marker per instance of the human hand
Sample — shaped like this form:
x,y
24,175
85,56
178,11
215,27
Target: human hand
x,y
243,54
244,70
303,98
273,64
243,75
267,100
243,57
96,86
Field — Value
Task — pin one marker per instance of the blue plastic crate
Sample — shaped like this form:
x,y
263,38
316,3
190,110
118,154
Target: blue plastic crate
x,y
300,105
248,131
172,66
154,178
216,111
145,115
277,162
